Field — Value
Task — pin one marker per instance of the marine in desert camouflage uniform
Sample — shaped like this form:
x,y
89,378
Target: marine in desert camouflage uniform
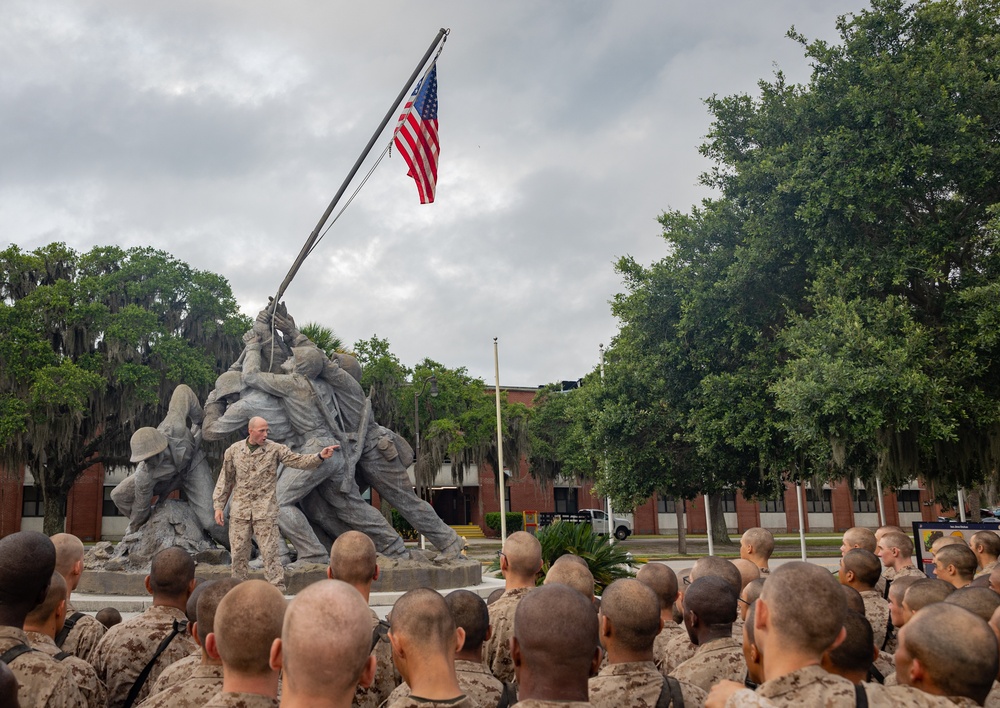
x,y
424,638
244,648
628,621
353,560
41,626
861,569
29,559
475,680
86,632
709,613
191,681
662,580
125,650
249,475
520,562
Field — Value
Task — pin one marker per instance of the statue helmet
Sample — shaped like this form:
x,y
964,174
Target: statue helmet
x,y
309,361
147,442
228,383
349,364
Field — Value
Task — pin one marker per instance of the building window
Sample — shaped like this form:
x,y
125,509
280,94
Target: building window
x,y
773,506
864,505
665,505
565,500
729,502
818,503
109,508
908,501
32,505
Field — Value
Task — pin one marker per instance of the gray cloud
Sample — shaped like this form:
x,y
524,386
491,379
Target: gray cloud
x,y
219,131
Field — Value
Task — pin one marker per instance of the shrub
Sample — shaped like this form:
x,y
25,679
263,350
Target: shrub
x,y
403,528
515,521
607,561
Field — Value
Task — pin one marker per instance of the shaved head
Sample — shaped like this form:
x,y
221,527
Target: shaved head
x,y
981,602
957,649
859,537
662,580
899,586
247,620
53,596
633,610
927,592
940,543
895,539
29,559
256,422
191,608
713,599
881,531
171,572
352,558
570,558
749,571
208,601
718,567
806,606
471,614
864,564
761,540
423,618
69,551
325,640
523,553
555,629
960,556
575,575
857,651
752,591
989,541
854,600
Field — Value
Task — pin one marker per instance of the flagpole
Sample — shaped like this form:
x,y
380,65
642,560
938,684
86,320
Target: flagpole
x,y
500,474
310,242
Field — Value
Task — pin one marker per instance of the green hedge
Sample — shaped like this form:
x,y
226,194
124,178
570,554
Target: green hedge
x,y
403,528
515,521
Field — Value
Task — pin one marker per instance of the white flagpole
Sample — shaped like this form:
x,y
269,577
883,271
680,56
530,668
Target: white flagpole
x,y
708,523
800,498
881,507
500,475
611,518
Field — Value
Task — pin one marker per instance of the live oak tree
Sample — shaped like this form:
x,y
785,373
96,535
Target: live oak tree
x,y
833,310
93,344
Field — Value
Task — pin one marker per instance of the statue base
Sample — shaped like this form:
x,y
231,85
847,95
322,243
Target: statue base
x,y
394,575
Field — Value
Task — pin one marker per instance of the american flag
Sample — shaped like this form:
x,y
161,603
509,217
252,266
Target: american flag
x,y
416,136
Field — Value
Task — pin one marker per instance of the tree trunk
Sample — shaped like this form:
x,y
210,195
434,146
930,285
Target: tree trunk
x,y
720,533
973,499
682,541
55,514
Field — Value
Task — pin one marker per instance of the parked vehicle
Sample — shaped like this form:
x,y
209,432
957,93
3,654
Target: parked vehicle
x,y
597,519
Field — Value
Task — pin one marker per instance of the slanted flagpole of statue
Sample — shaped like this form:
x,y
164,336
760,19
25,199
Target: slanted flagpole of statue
x,y
500,474
421,129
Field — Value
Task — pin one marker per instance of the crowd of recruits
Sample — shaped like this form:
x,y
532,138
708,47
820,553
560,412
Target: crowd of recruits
x,y
729,633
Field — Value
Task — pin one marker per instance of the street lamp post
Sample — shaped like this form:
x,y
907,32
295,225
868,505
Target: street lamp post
x,y
432,380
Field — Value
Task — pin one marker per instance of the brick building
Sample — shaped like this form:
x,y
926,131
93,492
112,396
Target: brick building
x,y
91,515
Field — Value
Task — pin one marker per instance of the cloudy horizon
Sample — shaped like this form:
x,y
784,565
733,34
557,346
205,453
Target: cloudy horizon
x,y
219,132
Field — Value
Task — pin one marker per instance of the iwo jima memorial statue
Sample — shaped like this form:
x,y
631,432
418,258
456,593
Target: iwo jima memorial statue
x,y
310,401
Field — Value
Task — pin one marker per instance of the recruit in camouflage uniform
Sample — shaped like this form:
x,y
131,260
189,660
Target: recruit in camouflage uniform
x,y
127,647
877,613
538,703
416,702
84,636
679,650
241,700
385,678
714,661
910,697
660,644
475,680
83,673
986,569
635,685
496,651
808,686
178,671
193,692
993,698
250,476
42,681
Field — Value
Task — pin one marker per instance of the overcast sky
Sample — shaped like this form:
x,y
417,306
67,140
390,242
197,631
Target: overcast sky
x,y
219,132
